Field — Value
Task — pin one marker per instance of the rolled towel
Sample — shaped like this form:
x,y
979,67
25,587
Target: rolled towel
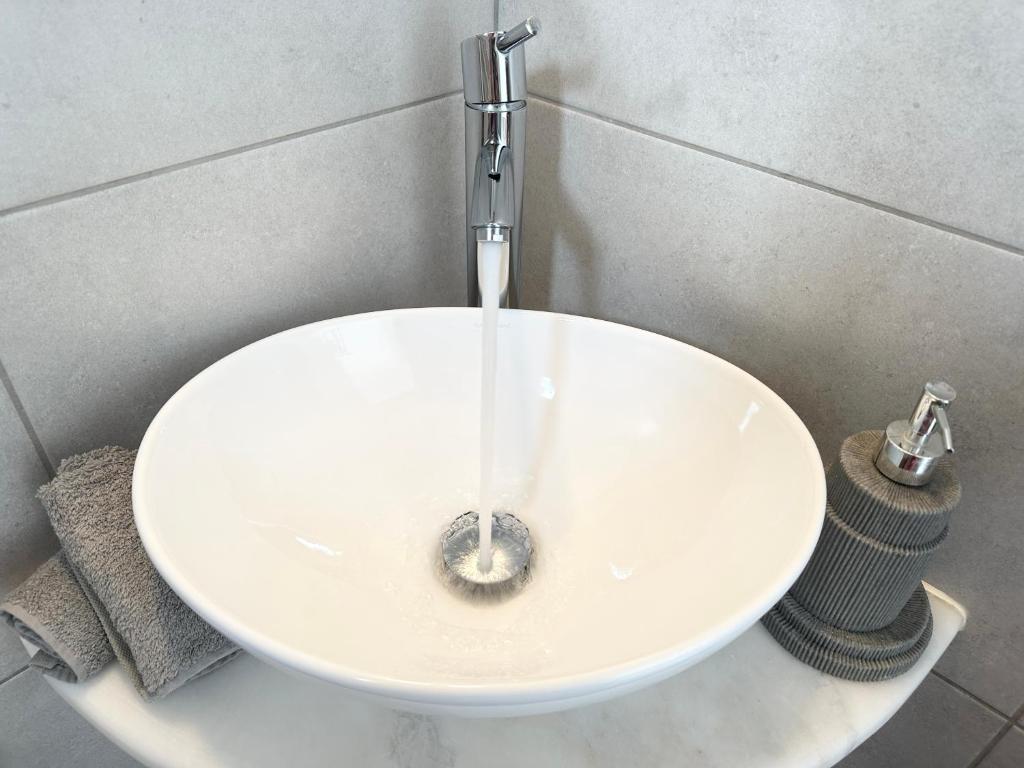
x,y
51,611
160,641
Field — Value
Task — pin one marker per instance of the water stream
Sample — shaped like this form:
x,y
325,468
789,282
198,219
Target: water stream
x,y
490,258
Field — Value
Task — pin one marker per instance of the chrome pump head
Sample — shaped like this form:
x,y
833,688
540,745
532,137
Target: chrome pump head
x,y
911,448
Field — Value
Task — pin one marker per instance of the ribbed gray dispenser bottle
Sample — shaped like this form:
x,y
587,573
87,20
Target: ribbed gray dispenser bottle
x,y
858,611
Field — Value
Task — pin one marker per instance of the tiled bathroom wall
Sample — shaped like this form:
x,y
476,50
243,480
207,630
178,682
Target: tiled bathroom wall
x,y
176,181
828,195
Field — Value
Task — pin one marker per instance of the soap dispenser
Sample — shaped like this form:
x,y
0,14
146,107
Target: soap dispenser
x,y
859,611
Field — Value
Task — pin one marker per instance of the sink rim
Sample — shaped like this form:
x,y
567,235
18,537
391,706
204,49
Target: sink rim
x,y
654,666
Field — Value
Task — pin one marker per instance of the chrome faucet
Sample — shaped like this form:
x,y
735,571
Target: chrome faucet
x,y
494,83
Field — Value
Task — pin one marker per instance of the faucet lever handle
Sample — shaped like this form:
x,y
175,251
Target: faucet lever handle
x,y
518,35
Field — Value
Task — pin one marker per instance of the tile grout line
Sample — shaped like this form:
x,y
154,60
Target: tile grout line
x,y
26,423
994,741
103,186
969,694
917,219
13,675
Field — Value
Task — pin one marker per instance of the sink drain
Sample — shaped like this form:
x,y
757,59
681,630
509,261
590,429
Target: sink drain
x,y
510,559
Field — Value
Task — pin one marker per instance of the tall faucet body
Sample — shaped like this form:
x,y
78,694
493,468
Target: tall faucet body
x,y
494,82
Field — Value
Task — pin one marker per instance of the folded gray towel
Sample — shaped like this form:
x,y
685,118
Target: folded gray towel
x,y
51,611
160,641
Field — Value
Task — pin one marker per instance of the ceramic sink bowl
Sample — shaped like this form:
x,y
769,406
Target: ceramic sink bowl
x,y
294,494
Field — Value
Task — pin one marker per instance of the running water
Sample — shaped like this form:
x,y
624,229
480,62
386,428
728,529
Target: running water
x,y
490,257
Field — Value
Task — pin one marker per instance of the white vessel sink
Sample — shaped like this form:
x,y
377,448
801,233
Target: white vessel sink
x,y
294,495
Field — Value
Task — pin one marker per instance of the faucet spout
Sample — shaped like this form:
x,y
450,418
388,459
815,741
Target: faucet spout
x,y
494,194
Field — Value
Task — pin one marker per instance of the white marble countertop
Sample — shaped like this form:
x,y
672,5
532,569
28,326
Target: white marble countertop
x,y
750,704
